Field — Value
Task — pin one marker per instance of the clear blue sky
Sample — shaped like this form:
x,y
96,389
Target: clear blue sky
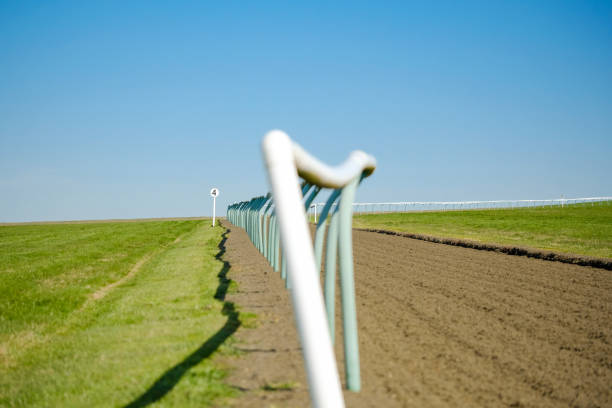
x,y
136,109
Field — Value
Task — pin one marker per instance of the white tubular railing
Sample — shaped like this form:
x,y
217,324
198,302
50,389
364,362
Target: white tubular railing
x,y
285,160
322,175
410,206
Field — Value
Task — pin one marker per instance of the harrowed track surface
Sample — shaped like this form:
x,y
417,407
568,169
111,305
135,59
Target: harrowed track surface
x,y
439,326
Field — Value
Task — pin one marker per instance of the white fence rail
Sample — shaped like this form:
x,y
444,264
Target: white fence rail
x,y
278,218
412,206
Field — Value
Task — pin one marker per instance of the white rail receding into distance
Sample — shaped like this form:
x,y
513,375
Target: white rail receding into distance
x,y
280,215
414,206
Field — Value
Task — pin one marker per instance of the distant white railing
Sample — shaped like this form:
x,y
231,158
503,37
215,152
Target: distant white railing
x,y
412,206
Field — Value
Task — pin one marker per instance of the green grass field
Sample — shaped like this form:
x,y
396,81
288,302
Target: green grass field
x,y
583,229
129,314
113,314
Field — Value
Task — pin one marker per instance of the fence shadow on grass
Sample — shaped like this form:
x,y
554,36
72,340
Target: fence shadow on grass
x,y
164,384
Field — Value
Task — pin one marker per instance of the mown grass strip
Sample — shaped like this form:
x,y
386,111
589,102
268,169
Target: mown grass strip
x,y
47,271
147,341
583,229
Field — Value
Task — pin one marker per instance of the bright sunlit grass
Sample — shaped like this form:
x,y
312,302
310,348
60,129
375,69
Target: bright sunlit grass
x,y
580,229
147,339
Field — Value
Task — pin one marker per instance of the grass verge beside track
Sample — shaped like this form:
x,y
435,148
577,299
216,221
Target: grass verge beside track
x,y
582,229
113,314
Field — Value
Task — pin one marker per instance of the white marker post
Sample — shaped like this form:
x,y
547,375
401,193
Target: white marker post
x,y
214,193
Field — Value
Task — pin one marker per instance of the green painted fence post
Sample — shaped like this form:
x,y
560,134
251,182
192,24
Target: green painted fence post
x,y
330,272
276,246
284,274
347,283
320,232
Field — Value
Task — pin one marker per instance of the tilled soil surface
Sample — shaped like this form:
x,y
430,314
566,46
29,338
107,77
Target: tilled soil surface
x,y
438,326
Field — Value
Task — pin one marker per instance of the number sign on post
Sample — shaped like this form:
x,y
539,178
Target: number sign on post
x,y
214,192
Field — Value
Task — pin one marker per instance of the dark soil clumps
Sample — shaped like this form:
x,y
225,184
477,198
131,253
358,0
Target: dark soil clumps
x,y
439,325
582,260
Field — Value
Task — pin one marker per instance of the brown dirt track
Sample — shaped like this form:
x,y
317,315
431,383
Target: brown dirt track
x,y
438,326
